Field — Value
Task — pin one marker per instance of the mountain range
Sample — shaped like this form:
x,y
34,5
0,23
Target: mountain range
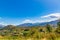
x,y
1,26
34,24
39,24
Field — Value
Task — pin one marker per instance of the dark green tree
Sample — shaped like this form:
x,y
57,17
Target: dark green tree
x,y
58,27
48,28
58,24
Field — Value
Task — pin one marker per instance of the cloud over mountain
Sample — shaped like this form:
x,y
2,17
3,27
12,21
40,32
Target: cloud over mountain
x,y
46,18
27,21
53,15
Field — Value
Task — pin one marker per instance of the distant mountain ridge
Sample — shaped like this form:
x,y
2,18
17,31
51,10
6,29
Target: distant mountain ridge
x,y
39,24
26,24
1,26
34,24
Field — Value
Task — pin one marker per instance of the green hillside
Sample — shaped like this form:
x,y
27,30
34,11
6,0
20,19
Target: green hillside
x,y
47,32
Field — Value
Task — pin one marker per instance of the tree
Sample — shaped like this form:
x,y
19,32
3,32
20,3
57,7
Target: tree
x,y
58,24
48,28
58,27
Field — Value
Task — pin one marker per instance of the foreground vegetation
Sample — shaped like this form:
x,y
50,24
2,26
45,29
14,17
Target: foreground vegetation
x,y
47,32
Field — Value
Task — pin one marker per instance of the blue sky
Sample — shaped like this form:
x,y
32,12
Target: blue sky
x,y
20,11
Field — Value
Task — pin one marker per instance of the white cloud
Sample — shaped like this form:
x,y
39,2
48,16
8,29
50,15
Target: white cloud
x,y
46,18
51,17
3,23
27,21
56,15
32,21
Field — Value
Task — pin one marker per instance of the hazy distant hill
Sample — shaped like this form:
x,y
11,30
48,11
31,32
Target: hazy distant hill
x,y
1,26
26,24
35,24
39,24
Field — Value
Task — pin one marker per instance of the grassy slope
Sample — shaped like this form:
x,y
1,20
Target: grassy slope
x,y
33,33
